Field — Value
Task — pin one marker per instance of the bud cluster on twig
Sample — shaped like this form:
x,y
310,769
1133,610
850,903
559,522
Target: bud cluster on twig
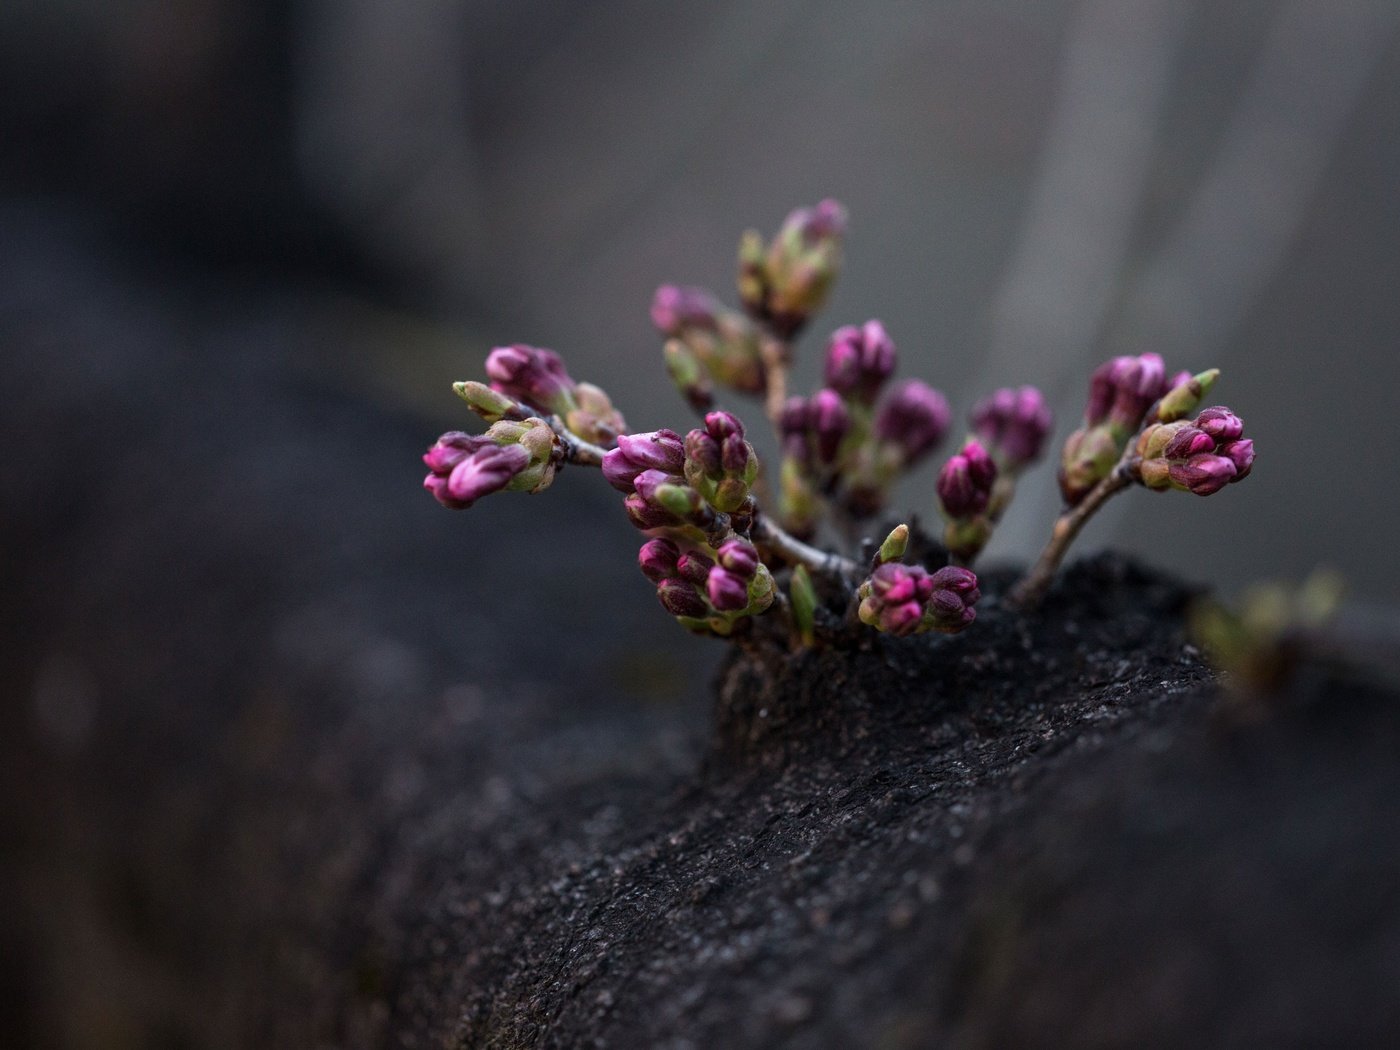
x,y
717,558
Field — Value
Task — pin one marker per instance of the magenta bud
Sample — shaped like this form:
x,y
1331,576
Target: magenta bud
x,y
680,598
728,593
658,559
893,598
488,469
739,557
965,482
859,360
451,449
532,375
830,422
1241,454
720,425
1123,389
1203,474
1220,423
1188,441
1015,424
646,516
694,566
660,450
950,607
914,418
674,308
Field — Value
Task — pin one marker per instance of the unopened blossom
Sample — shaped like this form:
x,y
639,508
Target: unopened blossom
x,y
783,283
1013,424
519,456
1120,393
902,599
538,378
659,450
1200,456
913,418
859,360
965,482
719,463
724,341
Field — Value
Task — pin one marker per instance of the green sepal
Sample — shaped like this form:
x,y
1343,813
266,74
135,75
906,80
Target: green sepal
x,y
896,543
803,597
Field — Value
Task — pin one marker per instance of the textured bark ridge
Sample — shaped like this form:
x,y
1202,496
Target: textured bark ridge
x,y
1038,834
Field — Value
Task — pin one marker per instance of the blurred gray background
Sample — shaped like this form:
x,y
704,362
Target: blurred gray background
x,y
1032,188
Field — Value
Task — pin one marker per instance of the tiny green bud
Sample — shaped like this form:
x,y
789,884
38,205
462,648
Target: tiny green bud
x,y
1184,398
896,543
689,375
490,405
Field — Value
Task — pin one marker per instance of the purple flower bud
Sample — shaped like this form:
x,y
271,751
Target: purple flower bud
x,y
728,593
680,598
965,482
1014,423
1188,441
893,598
720,425
1203,474
1241,454
694,566
676,308
532,375
830,422
451,449
859,360
659,450
786,283
1123,389
914,417
1220,423
658,559
950,607
740,558
646,516
488,469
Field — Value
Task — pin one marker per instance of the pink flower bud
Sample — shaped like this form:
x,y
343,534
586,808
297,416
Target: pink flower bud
x,y
740,557
451,449
859,360
675,308
488,469
1123,389
965,482
728,593
694,566
1015,424
950,607
534,376
659,450
830,422
1188,441
914,418
1220,423
1241,454
1203,474
658,559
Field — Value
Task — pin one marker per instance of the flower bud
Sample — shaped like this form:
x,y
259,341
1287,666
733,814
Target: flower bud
x,y
950,606
1014,425
658,559
1203,474
859,360
1220,423
593,418
965,482
740,558
1186,393
532,375
724,341
1089,456
719,463
1122,390
688,375
1241,454
789,281
695,567
490,405
459,481
680,598
829,421
727,592
913,418
893,598
894,546
660,450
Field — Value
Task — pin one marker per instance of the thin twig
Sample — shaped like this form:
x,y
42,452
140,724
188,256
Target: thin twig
x,y
796,552
1032,587
775,364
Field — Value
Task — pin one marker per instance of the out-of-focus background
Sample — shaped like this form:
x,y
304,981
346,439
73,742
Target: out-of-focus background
x,y
245,247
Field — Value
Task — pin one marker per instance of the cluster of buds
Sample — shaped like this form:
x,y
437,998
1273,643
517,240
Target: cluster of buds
x,y
1200,456
901,599
843,448
708,590
537,378
1120,393
785,282
965,487
511,456
838,445
707,343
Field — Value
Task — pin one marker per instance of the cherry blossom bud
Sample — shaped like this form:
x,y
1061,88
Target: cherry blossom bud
x,y
859,360
830,421
1241,454
913,418
694,566
1013,424
1220,423
727,592
740,558
658,559
660,450
950,606
680,598
488,468
719,463
965,482
893,598
1188,456
532,375
1186,393
1203,474
789,281
723,341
